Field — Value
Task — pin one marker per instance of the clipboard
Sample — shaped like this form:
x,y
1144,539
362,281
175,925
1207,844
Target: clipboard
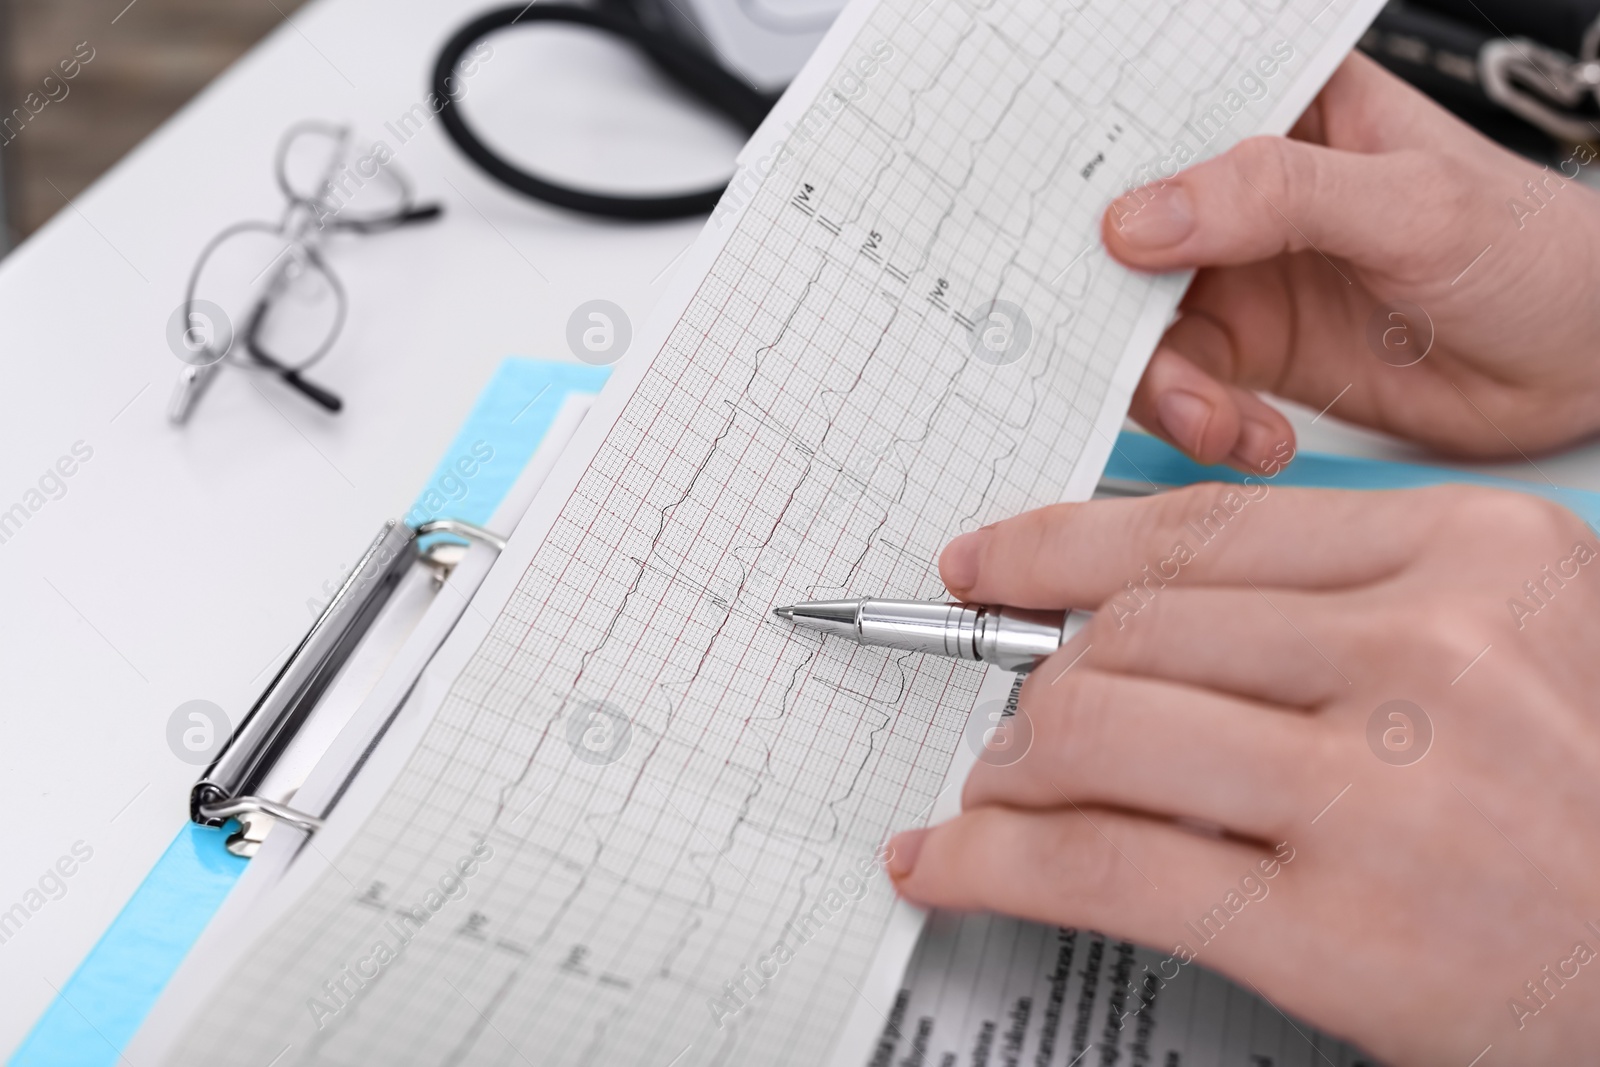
x,y
526,405
107,998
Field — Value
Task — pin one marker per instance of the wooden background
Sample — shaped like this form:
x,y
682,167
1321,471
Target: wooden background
x,y
150,57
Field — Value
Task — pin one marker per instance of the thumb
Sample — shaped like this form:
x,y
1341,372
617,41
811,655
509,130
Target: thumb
x,y
1270,195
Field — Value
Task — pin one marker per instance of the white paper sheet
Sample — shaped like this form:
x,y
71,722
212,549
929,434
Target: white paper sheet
x,y
992,991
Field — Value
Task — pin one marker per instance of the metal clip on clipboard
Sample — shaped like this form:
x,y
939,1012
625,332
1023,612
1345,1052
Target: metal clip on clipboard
x,y
231,786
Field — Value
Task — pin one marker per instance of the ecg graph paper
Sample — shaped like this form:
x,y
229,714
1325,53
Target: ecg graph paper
x,y
815,425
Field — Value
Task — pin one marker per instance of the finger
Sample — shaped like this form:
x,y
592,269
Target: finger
x,y
1364,108
1155,747
1251,328
1271,195
1208,419
1081,555
1279,646
1129,877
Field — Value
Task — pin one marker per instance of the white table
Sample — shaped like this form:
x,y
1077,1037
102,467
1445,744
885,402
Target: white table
x,y
179,562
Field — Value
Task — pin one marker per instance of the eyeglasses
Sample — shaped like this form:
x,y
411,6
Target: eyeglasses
x,y
272,277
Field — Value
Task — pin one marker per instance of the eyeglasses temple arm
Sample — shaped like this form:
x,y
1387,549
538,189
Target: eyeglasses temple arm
x,y
312,391
323,398
420,213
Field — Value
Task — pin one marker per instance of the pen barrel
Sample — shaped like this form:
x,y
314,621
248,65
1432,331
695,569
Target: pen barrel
x,y
1014,640
1010,638
920,626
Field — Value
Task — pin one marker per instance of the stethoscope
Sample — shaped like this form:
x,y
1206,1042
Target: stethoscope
x,y
718,88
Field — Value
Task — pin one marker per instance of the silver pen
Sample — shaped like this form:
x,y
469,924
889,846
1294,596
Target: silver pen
x,y
1010,638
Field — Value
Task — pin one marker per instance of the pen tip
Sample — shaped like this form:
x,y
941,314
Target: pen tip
x,y
784,613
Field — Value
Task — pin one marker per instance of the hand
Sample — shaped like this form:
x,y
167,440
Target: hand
x,y
1412,886
1305,246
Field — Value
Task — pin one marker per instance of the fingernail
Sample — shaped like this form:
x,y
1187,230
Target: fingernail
x,y
1255,443
1185,416
959,563
903,850
1160,222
